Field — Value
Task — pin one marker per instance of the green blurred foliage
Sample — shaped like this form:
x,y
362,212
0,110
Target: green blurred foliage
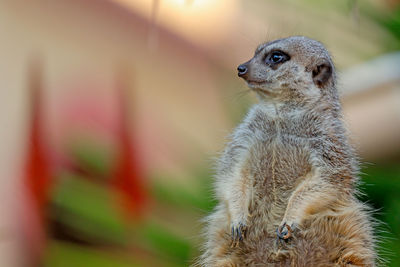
x,y
91,155
389,19
197,196
381,185
89,208
88,211
62,254
175,248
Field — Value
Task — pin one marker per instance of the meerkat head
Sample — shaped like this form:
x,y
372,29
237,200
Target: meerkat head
x,y
295,69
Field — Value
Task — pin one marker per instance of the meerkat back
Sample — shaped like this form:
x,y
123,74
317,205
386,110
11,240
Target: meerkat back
x,y
286,181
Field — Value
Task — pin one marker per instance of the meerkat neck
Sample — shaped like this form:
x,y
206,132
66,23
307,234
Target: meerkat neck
x,y
270,107
276,108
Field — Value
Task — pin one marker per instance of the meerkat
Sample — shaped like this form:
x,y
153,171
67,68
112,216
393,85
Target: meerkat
x,y
286,181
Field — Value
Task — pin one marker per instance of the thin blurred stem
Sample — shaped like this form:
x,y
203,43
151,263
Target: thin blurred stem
x,y
355,11
152,38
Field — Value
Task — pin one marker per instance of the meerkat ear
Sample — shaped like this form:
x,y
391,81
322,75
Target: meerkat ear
x,y
322,73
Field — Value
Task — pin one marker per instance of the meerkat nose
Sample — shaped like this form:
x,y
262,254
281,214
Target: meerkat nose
x,y
242,70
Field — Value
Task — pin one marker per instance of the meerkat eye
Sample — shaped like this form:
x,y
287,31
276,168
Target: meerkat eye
x,y
276,57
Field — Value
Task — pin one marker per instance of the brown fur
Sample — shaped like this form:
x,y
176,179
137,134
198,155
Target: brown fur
x,y
289,166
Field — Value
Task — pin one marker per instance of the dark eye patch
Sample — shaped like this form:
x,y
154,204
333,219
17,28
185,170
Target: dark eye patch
x,y
275,58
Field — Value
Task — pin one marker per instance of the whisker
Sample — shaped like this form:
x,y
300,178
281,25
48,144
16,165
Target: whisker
x,y
241,94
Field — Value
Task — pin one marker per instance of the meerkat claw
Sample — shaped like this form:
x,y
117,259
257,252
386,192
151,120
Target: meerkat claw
x,y
284,231
238,234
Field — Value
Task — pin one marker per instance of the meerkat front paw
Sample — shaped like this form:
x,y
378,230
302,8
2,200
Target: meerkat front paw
x,y
238,231
285,230
238,225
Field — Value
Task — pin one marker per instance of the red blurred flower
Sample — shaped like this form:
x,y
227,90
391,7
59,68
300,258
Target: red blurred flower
x,y
37,172
128,174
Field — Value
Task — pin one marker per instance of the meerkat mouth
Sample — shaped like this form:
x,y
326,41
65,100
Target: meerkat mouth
x,y
258,86
251,82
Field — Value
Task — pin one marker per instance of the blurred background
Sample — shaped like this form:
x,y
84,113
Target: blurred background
x,y
111,112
